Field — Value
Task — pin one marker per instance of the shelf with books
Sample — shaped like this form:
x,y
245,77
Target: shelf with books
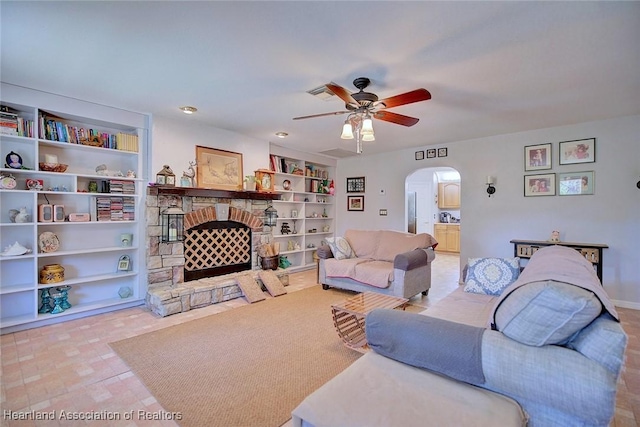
x,y
59,202
303,183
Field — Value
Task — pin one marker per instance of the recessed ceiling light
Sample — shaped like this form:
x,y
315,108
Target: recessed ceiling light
x,y
282,134
188,109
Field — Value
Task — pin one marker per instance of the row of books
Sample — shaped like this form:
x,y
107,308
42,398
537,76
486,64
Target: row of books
x,y
124,187
12,124
280,164
56,130
106,208
127,142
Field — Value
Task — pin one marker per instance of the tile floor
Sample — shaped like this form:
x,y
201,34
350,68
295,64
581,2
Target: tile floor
x,y
70,366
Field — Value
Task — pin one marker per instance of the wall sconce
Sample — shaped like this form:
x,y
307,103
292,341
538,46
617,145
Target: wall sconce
x,y
270,216
490,188
172,225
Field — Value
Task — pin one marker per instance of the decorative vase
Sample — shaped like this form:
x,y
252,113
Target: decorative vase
x,y
57,298
46,302
52,273
64,290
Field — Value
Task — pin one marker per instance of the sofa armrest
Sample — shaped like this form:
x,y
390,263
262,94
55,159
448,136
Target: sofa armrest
x,y
413,259
324,252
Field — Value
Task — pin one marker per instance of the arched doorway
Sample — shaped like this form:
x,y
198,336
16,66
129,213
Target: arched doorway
x,y
421,199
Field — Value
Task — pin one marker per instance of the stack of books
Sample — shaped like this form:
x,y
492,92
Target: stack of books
x,y
122,187
8,122
109,208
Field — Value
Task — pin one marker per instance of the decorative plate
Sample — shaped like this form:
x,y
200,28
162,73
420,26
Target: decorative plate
x,y
286,184
8,182
48,242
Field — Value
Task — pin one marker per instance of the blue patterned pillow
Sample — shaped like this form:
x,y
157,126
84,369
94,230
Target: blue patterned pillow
x,y
340,247
490,276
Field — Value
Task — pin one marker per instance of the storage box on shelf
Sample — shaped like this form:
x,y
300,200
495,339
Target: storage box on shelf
x,y
305,206
89,247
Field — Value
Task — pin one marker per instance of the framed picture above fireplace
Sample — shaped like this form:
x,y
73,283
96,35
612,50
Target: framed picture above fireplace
x,y
219,169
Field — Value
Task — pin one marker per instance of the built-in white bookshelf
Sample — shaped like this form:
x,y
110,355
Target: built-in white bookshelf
x,y
89,251
305,204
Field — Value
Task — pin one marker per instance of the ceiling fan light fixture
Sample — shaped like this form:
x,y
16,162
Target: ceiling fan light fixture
x,y
282,134
369,138
188,109
367,125
347,130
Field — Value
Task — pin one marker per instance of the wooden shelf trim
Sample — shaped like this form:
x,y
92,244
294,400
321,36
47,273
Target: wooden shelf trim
x,y
159,190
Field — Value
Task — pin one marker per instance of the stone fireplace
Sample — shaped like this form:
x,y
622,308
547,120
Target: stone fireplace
x,y
211,247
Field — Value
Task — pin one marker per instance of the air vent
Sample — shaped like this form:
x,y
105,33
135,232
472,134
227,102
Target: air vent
x,y
338,153
322,92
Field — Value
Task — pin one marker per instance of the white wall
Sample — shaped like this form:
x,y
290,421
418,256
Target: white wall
x,y
174,143
610,216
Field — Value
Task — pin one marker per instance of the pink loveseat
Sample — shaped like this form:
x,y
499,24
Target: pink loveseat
x,y
385,261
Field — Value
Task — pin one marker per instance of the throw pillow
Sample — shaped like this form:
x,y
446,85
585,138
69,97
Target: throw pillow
x,y
490,276
340,247
546,312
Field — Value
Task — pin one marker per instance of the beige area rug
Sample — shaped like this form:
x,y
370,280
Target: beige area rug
x,y
250,366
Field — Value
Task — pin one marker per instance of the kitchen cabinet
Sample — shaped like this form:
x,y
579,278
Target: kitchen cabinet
x,y
449,195
448,237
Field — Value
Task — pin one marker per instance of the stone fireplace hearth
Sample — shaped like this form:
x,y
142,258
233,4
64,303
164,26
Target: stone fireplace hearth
x,y
166,261
171,287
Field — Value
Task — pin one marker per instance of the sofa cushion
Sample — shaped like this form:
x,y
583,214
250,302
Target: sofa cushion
x,y
604,333
374,273
340,247
392,243
490,276
342,268
449,348
363,242
547,312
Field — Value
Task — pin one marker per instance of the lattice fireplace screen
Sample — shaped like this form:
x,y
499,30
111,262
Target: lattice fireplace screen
x,y
216,248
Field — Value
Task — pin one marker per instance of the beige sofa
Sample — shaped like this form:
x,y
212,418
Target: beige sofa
x,y
385,261
549,353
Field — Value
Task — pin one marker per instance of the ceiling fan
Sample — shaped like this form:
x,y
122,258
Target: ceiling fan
x,y
363,106
363,102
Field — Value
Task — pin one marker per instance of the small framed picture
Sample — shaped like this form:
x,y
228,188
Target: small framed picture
x,y
355,185
575,183
124,263
419,155
537,157
578,151
355,203
431,153
13,161
540,185
442,152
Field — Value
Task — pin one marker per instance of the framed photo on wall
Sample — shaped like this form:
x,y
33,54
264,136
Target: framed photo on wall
x,y
431,153
537,157
219,169
355,185
578,151
419,155
442,152
575,183
540,185
355,203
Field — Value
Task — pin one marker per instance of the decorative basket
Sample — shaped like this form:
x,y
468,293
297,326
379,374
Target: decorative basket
x,y
270,262
52,273
94,141
53,167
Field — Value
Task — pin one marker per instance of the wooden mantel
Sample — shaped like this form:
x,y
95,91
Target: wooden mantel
x,y
160,190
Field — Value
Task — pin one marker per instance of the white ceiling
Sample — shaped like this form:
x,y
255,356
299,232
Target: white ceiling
x,y
491,67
